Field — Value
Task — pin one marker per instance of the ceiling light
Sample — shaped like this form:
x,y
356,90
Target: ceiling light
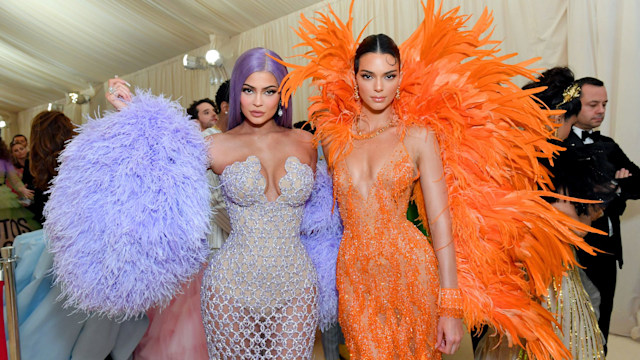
x,y
78,98
213,58
212,61
191,62
55,107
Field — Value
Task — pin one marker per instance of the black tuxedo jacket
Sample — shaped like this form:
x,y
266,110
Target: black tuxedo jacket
x,y
629,189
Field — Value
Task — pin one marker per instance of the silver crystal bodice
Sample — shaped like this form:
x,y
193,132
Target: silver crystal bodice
x,y
259,297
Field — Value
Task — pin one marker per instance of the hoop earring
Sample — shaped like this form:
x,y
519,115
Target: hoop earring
x,y
356,95
398,93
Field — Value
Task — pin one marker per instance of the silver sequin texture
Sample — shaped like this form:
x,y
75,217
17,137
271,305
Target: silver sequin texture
x,y
259,293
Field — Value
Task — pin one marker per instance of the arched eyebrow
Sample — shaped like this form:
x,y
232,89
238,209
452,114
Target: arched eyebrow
x,y
267,88
371,72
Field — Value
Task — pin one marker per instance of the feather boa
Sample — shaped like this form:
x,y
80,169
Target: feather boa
x,y
321,233
129,209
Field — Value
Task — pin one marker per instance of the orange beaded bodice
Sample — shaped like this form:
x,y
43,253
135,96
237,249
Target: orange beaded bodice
x,y
387,271
392,187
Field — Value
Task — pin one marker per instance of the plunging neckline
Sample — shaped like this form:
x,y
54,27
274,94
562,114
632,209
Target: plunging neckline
x,y
388,160
260,167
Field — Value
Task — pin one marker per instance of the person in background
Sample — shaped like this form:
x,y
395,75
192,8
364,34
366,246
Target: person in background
x,y
222,103
50,130
20,139
14,218
204,112
602,269
19,157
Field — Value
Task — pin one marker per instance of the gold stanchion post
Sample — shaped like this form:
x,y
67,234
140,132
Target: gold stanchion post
x,y
8,260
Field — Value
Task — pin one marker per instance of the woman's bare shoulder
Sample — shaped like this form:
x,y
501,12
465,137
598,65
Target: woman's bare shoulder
x,y
301,135
418,133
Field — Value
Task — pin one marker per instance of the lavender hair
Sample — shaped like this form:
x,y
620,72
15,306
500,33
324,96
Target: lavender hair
x,y
249,62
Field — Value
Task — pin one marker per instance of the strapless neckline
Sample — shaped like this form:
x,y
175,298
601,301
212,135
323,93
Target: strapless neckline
x,y
256,159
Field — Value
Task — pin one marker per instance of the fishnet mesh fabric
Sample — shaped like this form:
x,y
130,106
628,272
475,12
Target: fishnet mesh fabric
x,y
259,294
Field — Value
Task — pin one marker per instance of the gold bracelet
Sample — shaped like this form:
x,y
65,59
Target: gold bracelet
x,y
451,303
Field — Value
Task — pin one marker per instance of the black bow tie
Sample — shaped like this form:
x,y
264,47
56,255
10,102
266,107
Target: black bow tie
x,y
594,135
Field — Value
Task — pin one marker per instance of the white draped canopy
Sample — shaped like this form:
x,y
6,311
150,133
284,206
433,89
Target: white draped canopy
x,y
599,38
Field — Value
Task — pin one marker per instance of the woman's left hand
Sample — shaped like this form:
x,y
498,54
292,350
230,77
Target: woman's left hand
x,y
449,335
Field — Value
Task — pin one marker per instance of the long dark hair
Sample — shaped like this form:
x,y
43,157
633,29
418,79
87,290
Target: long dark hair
x,y
50,130
5,154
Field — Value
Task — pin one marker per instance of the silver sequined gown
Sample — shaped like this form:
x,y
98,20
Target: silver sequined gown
x,y
259,293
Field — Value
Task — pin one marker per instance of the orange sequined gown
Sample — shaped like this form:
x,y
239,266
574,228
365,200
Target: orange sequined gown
x,y
387,274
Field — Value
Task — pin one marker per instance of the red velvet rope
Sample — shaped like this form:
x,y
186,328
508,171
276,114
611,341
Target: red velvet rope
x,y
3,342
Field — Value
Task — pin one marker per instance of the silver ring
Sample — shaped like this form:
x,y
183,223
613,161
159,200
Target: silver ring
x,y
111,90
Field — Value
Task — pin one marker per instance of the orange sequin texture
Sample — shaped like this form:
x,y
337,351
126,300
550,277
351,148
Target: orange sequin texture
x,y
451,303
387,272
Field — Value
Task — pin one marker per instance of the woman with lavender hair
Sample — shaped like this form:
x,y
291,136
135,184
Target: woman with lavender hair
x,y
259,294
264,293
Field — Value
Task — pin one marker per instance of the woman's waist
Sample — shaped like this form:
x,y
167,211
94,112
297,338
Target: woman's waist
x,y
264,250
252,221
268,275
263,208
378,223
388,237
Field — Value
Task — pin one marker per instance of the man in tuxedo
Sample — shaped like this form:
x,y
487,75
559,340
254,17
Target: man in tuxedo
x,y
601,269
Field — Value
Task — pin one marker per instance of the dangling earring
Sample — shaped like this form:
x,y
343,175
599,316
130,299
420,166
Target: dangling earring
x,y
398,93
279,110
356,95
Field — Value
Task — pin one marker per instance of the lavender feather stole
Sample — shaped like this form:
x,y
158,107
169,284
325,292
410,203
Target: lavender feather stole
x,y
321,233
129,209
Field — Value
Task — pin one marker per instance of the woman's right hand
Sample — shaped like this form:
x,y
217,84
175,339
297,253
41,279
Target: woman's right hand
x,y
118,93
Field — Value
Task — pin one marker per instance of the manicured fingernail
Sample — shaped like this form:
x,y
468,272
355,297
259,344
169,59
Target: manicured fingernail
x,y
129,85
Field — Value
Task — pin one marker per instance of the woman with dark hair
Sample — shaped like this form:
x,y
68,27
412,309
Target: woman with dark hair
x,y
50,130
14,218
562,93
222,104
386,286
439,121
260,291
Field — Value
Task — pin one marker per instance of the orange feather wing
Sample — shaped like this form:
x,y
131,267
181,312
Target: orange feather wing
x,y
510,243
